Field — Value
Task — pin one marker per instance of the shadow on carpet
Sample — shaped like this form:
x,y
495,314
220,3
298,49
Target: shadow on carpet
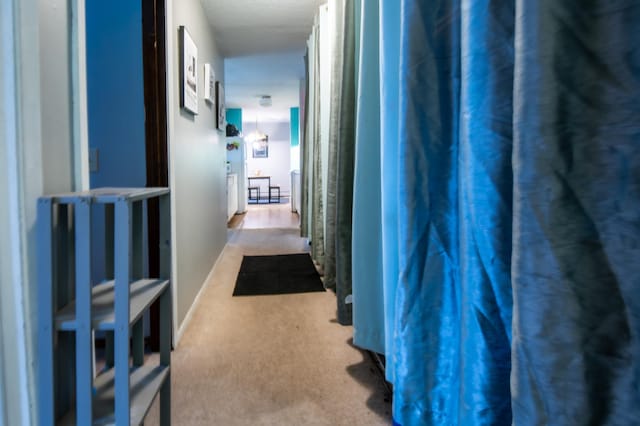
x,y
281,274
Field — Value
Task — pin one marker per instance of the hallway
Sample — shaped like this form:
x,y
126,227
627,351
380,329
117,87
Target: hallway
x,y
270,360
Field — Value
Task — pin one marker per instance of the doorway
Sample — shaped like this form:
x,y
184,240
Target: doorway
x,y
155,102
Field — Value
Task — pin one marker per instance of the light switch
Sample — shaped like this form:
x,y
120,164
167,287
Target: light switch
x,y
93,160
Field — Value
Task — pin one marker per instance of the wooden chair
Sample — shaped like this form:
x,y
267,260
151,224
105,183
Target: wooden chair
x,y
273,189
255,189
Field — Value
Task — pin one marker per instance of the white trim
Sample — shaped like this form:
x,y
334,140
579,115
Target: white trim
x,y
196,301
3,416
17,272
171,37
20,144
7,117
80,126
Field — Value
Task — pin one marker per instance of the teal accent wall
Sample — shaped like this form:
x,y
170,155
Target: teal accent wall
x,y
295,126
234,116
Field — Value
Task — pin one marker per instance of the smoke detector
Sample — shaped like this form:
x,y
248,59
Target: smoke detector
x,y
265,101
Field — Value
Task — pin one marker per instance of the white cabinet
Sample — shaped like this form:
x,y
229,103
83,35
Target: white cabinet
x,y
296,194
232,195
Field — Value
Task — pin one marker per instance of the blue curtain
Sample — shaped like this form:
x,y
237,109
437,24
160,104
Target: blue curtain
x,y
485,187
368,297
427,329
576,239
389,160
515,298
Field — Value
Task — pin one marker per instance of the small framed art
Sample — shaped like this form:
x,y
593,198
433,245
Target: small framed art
x,y
209,84
188,72
221,114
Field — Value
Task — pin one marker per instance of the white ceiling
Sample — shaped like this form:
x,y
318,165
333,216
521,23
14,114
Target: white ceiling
x,y
263,42
277,75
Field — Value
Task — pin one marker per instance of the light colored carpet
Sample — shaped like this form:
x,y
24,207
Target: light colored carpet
x,y
270,360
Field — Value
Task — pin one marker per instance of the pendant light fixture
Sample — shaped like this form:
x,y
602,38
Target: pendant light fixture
x,y
256,137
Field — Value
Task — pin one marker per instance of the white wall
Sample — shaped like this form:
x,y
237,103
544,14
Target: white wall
x,y
41,110
197,170
278,164
55,85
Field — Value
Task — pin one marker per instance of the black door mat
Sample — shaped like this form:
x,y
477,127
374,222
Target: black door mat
x,y
280,274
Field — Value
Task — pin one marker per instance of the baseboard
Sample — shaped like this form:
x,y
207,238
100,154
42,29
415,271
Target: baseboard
x,y
196,301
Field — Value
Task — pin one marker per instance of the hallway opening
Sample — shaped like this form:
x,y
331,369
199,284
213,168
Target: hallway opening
x,y
261,216
270,360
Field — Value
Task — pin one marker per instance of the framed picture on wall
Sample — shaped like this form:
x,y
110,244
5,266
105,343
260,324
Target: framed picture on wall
x,y
188,72
221,114
209,84
261,148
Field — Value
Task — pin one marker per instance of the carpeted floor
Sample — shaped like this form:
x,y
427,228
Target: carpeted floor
x,y
276,360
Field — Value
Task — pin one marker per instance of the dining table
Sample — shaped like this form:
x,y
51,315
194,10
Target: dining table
x,y
258,178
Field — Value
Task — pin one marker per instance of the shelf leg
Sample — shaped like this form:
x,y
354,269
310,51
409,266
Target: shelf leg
x,y
84,335
123,246
45,312
108,240
165,356
137,271
137,258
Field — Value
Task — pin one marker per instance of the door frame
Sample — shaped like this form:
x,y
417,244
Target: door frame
x,y
154,55
22,182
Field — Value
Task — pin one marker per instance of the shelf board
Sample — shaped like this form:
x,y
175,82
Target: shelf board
x,y
111,195
108,195
142,294
145,383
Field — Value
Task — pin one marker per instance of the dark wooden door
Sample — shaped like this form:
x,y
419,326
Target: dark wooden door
x,y
155,102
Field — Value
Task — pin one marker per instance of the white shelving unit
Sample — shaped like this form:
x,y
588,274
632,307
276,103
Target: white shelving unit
x,y
71,309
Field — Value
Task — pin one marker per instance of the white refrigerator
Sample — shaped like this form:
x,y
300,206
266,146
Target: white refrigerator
x,y
237,159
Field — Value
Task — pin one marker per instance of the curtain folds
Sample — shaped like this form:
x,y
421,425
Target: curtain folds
x,y
576,163
345,164
330,147
485,215
389,161
368,296
518,213
484,195
317,196
427,333
304,153
334,135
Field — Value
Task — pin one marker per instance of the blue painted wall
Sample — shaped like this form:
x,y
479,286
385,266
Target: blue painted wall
x,y
115,91
295,126
234,116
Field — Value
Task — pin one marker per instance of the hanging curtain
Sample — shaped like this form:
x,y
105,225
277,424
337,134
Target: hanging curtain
x,y
389,160
576,227
427,333
304,152
330,138
518,211
317,207
334,142
345,168
368,298
307,147
485,199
